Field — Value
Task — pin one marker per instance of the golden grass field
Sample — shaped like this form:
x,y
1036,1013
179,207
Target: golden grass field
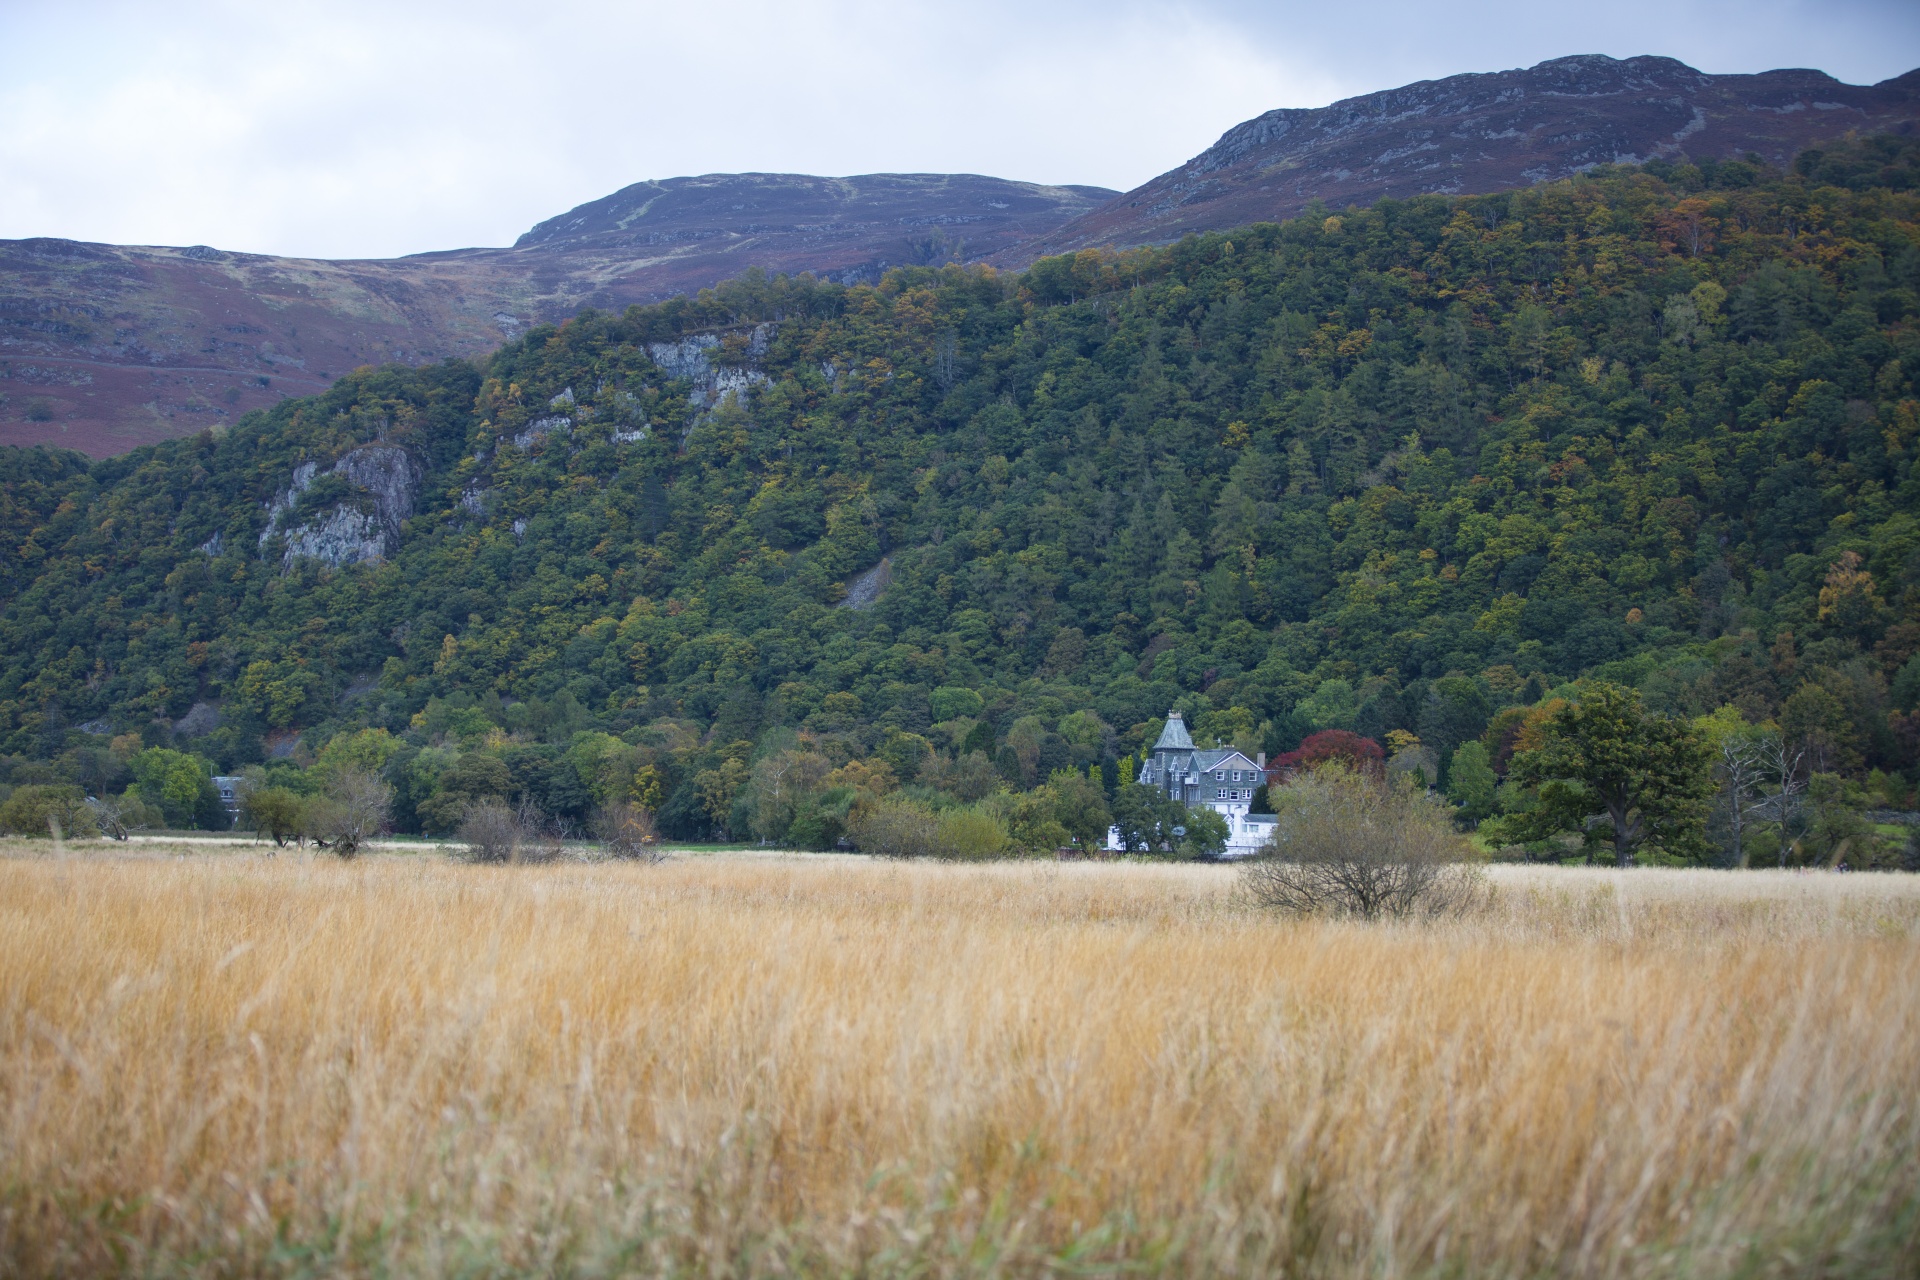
x,y
221,1063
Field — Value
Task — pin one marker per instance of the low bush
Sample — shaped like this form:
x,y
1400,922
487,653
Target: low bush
x,y
899,827
968,835
626,830
47,810
491,832
120,816
353,809
1351,844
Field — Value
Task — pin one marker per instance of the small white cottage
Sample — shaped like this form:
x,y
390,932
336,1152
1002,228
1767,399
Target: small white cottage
x,y
1221,779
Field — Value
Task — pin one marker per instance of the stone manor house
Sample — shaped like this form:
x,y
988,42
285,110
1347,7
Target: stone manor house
x,y
1220,779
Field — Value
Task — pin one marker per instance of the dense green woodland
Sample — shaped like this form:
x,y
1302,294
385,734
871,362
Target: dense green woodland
x,y
1391,469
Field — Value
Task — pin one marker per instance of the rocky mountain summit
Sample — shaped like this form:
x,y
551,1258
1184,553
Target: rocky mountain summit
x,y
1471,134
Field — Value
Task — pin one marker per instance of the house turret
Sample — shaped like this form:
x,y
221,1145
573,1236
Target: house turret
x,y
1175,736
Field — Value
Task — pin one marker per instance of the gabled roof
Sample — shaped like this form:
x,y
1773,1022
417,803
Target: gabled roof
x,y
1174,737
1225,758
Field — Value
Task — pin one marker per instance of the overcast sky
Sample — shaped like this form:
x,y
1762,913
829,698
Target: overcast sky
x,y
346,129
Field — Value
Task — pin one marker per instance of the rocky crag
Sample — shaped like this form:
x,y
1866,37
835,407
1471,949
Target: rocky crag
x,y
357,523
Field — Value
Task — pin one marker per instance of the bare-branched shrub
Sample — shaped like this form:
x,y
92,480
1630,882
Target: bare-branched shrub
x,y
543,837
352,811
489,831
117,816
1349,844
626,830
493,832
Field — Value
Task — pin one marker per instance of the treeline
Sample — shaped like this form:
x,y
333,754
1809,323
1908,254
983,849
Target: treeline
x,y
791,789
1388,471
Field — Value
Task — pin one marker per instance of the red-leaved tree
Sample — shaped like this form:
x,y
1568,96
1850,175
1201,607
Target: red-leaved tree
x,y
1362,755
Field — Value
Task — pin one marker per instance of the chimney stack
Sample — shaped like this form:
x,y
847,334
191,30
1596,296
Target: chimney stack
x,y
1261,759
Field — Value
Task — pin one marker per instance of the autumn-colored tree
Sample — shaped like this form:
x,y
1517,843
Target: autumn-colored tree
x,y
1849,603
1688,227
1360,754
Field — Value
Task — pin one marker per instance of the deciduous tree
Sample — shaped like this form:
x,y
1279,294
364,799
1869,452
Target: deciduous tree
x,y
1617,775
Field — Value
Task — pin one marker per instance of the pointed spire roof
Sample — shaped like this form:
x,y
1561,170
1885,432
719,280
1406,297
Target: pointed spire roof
x,y
1174,737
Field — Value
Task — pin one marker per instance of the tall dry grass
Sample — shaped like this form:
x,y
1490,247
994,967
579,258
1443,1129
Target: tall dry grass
x,y
236,1065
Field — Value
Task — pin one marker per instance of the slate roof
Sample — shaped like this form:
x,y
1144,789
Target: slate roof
x,y
1175,752
1175,736
1207,761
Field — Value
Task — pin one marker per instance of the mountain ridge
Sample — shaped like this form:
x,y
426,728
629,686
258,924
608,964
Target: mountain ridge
x,y
114,346
832,198
1498,130
106,347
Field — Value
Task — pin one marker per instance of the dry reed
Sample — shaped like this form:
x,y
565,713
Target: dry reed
x,y
228,1065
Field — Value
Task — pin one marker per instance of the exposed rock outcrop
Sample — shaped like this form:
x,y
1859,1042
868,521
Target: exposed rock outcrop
x,y
865,589
343,536
540,428
389,475
361,528
691,359
202,718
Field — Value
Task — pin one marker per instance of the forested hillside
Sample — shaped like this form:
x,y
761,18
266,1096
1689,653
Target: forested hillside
x,y
1380,470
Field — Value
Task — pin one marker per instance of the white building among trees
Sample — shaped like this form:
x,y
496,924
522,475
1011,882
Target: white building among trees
x,y
1219,778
